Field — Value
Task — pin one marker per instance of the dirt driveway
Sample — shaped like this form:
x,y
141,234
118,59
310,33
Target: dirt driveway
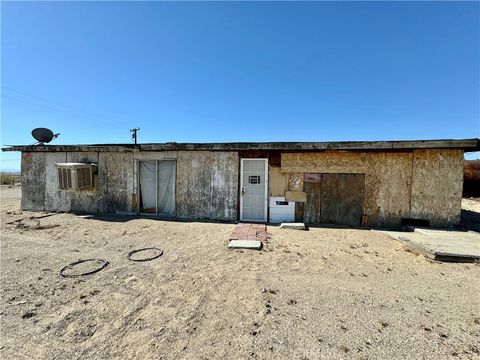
x,y
318,294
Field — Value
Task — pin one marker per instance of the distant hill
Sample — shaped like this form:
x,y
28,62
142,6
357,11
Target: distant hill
x,y
10,171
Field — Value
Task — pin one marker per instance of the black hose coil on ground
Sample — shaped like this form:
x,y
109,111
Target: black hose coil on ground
x,y
102,265
160,253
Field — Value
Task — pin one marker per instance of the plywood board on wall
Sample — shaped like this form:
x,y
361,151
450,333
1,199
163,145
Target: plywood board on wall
x,y
324,162
387,179
387,188
437,185
297,196
278,182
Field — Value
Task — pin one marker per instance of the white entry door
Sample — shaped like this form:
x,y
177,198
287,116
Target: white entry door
x,y
253,189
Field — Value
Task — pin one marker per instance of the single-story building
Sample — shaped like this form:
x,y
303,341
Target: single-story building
x,y
373,183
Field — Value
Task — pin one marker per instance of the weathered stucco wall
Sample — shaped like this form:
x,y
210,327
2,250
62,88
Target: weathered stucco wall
x,y
33,181
155,155
112,189
84,200
437,186
207,185
423,184
55,199
115,181
391,193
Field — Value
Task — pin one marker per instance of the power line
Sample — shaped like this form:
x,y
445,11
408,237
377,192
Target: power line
x,y
40,105
59,110
37,97
87,115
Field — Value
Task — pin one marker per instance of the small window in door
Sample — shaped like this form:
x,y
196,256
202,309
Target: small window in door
x,y
254,179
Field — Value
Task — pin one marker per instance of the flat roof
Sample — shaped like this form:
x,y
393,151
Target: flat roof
x,y
467,145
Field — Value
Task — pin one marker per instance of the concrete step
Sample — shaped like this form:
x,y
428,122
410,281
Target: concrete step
x,y
294,226
245,244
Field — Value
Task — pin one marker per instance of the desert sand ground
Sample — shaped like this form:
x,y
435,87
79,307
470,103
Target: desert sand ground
x,y
319,294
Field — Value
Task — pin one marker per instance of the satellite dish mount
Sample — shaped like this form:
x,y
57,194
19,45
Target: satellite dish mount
x,y
43,135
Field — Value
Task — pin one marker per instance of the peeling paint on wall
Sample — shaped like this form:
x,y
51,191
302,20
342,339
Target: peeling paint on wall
x,y
115,181
56,199
224,185
33,181
193,185
207,185
85,200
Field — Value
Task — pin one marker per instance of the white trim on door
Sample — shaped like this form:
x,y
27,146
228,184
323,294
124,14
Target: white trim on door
x,y
265,216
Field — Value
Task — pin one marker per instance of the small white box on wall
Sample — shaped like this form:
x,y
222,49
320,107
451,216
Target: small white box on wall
x,y
281,210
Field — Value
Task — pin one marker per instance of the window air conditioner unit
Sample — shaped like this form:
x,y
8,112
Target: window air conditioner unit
x,y
75,176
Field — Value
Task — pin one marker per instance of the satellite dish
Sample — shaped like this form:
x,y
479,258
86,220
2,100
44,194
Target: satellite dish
x,y
43,135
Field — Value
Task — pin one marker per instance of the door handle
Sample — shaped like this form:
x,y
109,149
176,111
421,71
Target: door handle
x,y
243,190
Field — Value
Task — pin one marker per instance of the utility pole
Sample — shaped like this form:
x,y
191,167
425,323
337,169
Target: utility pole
x,y
134,135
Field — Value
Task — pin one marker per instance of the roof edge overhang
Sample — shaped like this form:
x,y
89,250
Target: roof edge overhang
x,y
468,145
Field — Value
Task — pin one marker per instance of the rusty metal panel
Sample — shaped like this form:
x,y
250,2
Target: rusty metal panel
x,y
312,177
342,199
471,178
471,170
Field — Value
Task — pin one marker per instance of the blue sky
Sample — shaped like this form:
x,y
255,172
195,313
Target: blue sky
x,y
225,71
